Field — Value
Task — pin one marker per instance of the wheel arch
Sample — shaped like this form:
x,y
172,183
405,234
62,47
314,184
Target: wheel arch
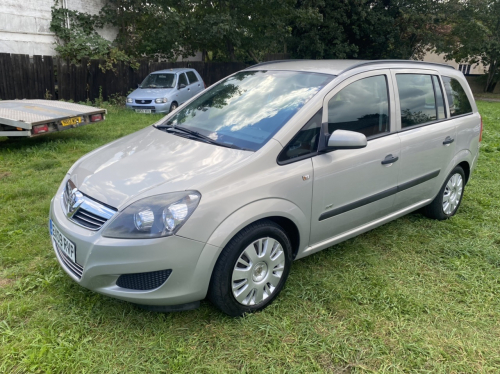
x,y
466,168
283,212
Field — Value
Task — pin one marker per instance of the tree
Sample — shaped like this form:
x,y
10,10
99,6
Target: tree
x,y
367,29
473,35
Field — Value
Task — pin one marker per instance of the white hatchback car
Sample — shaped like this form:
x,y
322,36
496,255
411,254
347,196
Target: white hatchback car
x,y
269,165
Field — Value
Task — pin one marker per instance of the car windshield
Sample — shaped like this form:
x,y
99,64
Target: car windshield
x,y
248,108
159,81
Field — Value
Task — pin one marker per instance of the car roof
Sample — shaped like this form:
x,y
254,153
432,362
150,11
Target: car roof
x,y
173,70
337,67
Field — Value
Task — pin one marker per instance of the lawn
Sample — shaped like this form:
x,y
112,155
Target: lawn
x,y
414,295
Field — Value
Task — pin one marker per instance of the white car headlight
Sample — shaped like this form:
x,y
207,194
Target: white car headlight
x,y
129,100
154,217
161,100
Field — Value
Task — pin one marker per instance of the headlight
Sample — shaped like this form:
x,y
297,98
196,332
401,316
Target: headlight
x,y
161,100
129,100
154,217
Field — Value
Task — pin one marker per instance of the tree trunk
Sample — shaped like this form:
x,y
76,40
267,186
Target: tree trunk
x,y
230,50
252,55
490,82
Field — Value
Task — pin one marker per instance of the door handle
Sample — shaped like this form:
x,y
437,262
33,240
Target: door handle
x,y
389,159
448,140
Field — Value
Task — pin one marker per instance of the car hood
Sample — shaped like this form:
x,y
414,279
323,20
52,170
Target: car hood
x,y
120,171
150,93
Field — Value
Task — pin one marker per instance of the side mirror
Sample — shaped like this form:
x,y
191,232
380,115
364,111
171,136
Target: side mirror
x,y
181,85
339,139
343,139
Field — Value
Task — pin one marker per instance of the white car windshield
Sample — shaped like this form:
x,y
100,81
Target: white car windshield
x,y
248,108
159,81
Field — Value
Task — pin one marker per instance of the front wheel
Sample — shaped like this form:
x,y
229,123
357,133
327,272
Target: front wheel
x,y
252,269
173,107
446,203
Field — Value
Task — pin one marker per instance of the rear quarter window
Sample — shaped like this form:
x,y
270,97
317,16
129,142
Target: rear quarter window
x,y
192,77
457,98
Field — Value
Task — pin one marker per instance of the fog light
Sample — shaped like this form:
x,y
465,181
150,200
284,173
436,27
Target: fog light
x,y
144,220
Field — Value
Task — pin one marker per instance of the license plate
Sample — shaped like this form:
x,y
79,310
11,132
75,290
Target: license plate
x,y
64,243
143,110
71,121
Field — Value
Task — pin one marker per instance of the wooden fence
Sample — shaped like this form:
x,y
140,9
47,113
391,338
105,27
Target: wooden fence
x,y
42,77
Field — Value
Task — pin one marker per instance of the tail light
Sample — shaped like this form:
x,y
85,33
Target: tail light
x,y
95,117
481,131
40,129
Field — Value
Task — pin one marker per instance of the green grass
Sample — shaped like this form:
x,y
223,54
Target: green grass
x,y
487,96
414,295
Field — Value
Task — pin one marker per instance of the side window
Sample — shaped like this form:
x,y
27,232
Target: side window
x,y
305,142
192,77
438,90
183,79
457,98
416,98
362,106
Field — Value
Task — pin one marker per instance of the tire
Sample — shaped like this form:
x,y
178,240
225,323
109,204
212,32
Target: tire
x,y
173,107
261,254
448,200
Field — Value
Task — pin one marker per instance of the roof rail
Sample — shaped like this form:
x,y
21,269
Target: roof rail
x,y
373,62
270,62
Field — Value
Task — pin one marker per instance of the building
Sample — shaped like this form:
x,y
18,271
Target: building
x,y
477,69
25,25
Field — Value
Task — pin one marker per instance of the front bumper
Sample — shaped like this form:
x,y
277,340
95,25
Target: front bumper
x,y
155,108
103,260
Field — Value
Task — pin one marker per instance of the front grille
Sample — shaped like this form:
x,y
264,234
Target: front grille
x,y
143,107
88,219
139,101
143,281
75,268
83,210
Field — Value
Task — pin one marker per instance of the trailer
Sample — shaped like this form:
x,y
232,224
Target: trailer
x,y
27,118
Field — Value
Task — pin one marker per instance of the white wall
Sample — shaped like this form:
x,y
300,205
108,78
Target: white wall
x,y
24,24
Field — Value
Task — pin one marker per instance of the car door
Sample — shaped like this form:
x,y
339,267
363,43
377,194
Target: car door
x,y
427,135
184,93
194,83
356,186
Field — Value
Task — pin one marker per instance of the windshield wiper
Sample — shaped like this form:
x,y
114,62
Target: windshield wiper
x,y
199,136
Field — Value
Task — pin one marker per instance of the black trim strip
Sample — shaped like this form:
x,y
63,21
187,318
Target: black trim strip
x,y
417,181
359,203
378,196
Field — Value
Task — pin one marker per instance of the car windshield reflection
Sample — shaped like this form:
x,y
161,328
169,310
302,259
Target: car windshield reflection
x,y
248,108
159,81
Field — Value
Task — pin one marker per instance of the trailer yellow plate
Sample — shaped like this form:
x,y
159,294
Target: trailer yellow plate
x,y
71,121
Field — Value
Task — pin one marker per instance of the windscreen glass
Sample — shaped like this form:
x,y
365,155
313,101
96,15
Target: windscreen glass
x,y
248,108
159,81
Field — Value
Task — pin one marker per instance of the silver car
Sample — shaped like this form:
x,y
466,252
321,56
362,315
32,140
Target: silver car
x,y
272,164
163,91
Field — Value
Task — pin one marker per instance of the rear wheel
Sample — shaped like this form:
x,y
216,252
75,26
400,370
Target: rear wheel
x,y
252,269
446,203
